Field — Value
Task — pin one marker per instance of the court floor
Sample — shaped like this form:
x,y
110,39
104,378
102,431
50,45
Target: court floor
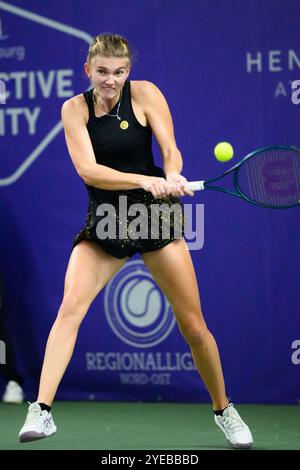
x,y
160,426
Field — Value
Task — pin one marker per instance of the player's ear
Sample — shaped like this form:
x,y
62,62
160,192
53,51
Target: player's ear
x,y
87,69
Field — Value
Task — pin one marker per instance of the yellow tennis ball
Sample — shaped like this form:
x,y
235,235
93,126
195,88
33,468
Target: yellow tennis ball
x,y
223,151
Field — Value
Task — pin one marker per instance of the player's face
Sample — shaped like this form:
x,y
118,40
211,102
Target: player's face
x,y
108,75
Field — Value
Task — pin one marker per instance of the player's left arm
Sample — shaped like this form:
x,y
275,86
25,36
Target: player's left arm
x,y
160,120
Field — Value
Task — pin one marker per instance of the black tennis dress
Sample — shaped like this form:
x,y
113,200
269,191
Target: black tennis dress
x,y
126,222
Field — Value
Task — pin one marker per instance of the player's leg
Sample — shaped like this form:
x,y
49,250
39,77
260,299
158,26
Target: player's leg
x,y
173,270
88,271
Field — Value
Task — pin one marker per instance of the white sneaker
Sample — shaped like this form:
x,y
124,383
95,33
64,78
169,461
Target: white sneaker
x,y
13,393
38,424
237,433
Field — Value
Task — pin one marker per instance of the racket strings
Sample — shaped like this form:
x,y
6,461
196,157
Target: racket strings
x,y
272,177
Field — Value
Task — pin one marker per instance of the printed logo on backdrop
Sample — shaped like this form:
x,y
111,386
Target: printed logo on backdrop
x,y
2,36
278,64
2,92
295,357
296,92
32,88
2,353
136,310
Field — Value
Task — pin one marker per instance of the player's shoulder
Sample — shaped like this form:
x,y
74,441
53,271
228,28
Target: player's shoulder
x,y
76,102
75,105
144,90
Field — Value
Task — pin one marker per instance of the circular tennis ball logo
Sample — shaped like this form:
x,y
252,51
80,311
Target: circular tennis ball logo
x,y
136,310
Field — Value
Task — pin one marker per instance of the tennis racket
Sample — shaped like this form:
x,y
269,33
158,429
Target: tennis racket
x,y
267,177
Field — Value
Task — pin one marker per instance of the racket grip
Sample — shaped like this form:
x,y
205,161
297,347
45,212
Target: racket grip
x,y
195,185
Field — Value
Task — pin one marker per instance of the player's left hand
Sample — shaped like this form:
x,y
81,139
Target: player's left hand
x,y
178,184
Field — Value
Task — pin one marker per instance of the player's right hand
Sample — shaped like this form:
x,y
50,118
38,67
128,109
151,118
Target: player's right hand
x,y
158,187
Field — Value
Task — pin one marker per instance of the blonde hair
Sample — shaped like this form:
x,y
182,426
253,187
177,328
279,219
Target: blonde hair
x,y
109,45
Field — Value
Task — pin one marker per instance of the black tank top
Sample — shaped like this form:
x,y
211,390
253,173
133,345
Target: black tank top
x,y
127,149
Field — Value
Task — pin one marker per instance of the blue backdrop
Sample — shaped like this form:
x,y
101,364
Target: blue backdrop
x,y
226,68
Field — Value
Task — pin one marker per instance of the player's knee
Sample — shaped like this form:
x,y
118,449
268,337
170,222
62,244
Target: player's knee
x,y
72,308
195,335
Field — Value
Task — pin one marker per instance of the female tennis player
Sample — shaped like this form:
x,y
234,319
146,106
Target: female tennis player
x,y
108,133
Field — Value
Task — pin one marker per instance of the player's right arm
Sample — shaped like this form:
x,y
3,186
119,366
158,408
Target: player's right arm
x,y
74,118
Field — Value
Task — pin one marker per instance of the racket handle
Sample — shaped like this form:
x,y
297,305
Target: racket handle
x,y
195,185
